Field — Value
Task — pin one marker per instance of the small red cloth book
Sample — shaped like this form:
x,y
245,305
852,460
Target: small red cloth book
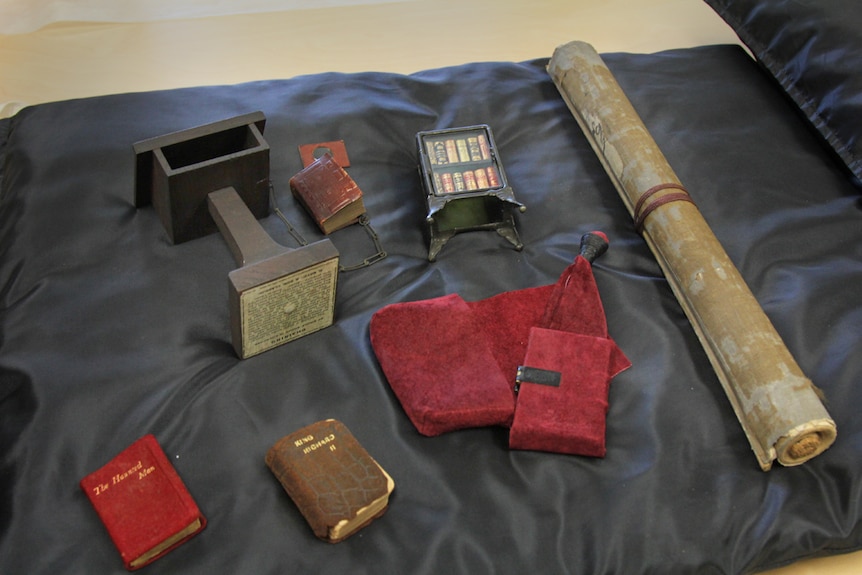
x,y
565,413
143,503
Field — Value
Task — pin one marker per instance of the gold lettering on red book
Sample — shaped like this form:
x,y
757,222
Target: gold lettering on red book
x,y
120,477
124,475
145,472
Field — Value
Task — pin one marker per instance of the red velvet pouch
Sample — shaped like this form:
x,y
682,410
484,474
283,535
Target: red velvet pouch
x,y
562,392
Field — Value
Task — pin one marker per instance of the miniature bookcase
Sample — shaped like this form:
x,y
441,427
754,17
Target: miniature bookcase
x,y
465,186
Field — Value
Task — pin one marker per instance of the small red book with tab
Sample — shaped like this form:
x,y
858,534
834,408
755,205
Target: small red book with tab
x,y
143,503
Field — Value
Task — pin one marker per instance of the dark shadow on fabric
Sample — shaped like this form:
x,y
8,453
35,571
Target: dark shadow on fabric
x,y
17,407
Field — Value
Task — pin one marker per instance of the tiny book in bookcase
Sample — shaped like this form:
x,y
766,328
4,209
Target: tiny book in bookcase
x,y
337,486
143,503
329,194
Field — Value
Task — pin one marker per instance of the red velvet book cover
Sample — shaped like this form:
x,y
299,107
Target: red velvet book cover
x,y
143,503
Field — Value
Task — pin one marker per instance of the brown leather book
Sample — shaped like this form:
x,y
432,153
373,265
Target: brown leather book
x,y
337,486
329,194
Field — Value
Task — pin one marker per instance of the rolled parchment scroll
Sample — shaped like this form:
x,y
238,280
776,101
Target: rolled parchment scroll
x,y
779,408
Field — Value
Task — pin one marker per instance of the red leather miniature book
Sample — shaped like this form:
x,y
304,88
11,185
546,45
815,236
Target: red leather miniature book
x,y
329,194
143,503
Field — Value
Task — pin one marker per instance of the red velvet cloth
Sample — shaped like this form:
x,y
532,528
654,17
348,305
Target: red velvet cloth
x,y
505,321
574,304
452,364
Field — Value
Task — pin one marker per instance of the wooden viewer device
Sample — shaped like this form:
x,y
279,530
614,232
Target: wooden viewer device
x,y
176,171
277,294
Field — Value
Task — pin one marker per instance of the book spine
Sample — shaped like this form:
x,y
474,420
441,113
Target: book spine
x,y
293,483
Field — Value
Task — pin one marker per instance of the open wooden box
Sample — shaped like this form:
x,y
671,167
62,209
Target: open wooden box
x,y
176,171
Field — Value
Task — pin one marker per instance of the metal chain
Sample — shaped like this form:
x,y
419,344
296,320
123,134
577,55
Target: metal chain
x,y
363,221
290,229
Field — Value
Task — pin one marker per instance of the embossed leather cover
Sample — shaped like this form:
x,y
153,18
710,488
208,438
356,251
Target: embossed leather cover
x,y
336,485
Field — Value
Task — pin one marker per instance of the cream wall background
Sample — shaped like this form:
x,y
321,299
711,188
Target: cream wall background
x,y
89,47
22,16
53,50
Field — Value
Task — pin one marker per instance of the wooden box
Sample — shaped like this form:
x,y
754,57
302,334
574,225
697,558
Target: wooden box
x,y
176,171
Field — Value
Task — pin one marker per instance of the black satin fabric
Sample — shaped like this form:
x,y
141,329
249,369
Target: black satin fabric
x,y
814,51
109,332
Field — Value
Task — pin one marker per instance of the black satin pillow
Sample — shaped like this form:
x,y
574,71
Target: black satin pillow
x,y
814,49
